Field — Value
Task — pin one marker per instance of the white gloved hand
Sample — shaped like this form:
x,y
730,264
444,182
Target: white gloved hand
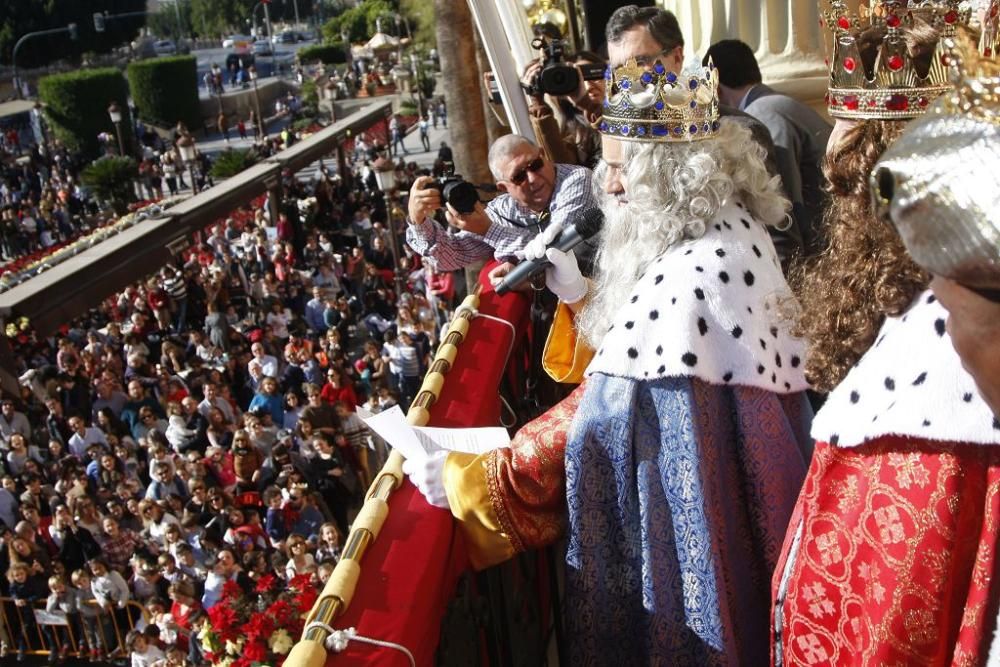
x,y
537,246
563,278
428,476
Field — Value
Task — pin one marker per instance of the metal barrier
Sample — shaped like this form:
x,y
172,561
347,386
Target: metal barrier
x,y
71,636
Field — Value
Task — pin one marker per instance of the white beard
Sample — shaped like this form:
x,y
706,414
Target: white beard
x,y
632,238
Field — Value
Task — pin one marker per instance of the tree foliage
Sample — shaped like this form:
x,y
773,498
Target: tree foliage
x,y
76,106
163,23
110,177
360,21
335,54
420,14
19,17
231,162
165,90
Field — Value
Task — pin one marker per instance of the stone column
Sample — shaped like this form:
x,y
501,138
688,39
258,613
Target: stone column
x,y
785,34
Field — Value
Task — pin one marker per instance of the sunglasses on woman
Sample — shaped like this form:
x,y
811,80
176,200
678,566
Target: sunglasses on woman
x,y
521,175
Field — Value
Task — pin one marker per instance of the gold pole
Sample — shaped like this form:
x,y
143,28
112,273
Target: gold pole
x,y
339,589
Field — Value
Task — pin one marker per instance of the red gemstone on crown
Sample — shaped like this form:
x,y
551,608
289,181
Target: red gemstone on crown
x,y
851,103
871,104
946,60
951,17
844,23
892,21
923,102
897,103
987,51
849,65
895,62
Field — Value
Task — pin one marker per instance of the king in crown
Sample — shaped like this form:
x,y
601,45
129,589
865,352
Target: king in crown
x,y
653,104
890,87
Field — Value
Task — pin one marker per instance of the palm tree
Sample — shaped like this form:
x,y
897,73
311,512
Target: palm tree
x,y
462,91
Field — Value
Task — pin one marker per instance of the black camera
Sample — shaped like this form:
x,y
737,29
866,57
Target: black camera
x,y
557,77
456,191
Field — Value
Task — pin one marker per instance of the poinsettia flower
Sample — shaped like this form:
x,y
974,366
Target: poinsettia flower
x,y
300,582
265,583
255,651
231,589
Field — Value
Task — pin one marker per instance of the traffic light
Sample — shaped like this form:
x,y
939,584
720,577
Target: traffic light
x,y
98,22
73,34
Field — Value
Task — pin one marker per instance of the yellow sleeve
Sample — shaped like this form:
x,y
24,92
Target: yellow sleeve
x,y
465,479
566,357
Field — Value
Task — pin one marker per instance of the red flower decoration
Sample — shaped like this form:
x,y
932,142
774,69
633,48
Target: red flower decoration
x,y
231,590
265,583
260,626
300,582
254,651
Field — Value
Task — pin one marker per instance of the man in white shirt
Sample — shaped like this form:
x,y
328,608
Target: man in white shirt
x,y
83,437
267,363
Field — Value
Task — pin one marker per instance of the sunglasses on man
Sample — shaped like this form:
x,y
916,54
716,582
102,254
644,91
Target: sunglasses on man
x,y
521,175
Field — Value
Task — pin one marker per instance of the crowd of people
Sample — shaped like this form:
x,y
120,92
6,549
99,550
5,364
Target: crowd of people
x,y
200,426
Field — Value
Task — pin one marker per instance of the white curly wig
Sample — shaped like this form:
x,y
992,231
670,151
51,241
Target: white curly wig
x,y
674,190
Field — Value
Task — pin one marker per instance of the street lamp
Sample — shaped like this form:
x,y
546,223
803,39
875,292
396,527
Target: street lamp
x,y
185,144
115,112
260,129
386,183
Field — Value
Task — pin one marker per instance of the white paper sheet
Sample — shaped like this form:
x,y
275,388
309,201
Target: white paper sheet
x,y
416,442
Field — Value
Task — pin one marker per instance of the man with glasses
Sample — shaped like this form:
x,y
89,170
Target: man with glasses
x,y
537,194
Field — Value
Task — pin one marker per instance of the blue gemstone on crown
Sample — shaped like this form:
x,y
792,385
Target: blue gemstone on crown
x,y
678,130
659,68
625,129
659,130
646,77
693,129
716,126
625,84
693,84
694,105
607,73
604,127
706,127
659,105
641,130
671,77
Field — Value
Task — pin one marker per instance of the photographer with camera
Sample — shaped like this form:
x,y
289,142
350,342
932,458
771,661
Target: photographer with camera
x,y
566,122
537,194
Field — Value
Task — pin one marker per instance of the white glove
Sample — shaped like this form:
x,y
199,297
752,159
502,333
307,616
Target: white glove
x,y
537,246
563,278
428,476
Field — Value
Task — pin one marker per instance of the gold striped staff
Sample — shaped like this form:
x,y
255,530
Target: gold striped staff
x,y
339,590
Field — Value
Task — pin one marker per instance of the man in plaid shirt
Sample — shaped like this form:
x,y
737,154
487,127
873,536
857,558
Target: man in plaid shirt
x,y
537,194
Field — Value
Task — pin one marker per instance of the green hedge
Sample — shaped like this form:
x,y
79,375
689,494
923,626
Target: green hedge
x,y
329,54
76,106
165,90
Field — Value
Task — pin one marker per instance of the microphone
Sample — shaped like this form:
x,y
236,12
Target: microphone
x,y
589,224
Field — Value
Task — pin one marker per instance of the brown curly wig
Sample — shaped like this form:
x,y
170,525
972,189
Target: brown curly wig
x,y
864,273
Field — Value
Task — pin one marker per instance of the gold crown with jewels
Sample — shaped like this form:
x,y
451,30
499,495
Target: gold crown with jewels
x,y
890,88
656,105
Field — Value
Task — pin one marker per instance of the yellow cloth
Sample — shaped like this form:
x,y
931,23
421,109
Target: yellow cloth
x,y
566,356
512,499
465,480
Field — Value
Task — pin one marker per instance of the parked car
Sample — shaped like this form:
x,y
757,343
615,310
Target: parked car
x,y
230,42
165,47
262,47
287,37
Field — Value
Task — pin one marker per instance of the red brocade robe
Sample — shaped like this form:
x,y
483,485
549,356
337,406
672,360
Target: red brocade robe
x,y
890,555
